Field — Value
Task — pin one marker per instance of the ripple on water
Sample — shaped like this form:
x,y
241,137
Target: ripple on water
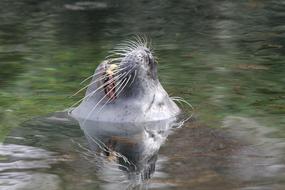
x,y
260,159
20,165
27,180
86,5
241,155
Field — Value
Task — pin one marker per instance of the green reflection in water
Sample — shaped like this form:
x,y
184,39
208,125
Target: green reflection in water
x,y
226,58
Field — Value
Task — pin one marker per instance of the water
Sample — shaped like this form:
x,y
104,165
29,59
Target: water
x,y
225,57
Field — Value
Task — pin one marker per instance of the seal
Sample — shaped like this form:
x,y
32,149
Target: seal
x,y
125,88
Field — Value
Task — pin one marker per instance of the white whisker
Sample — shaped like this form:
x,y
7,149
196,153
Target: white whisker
x,y
123,87
179,99
98,79
93,92
97,73
134,76
98,103
106,83
125,48
130,43
121,83
139,41
116,60
119,51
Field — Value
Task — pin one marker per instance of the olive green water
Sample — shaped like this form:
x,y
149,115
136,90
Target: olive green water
x,y
225,57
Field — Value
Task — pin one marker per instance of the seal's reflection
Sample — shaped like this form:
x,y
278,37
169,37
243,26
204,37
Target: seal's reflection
x,y
125,152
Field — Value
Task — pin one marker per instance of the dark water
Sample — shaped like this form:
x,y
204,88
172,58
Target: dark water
x,y
225,57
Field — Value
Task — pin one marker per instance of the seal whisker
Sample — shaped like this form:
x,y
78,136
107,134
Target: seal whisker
x,y
123,87
121,77
118,90
99,143
119,51
122,68
99,103
116,60
119,54
134,76
125,73
129,46
150,44
121,83
125,47
183,100
111,56
120,165
139,40
144,39
80,146
118,77
100,72
93,92
105,148
129,43
98,79
131,69
91,76
179,99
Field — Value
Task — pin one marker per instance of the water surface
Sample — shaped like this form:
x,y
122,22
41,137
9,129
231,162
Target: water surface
x,y
225,57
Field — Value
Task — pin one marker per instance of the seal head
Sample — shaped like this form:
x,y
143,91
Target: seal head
x,y
125,88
